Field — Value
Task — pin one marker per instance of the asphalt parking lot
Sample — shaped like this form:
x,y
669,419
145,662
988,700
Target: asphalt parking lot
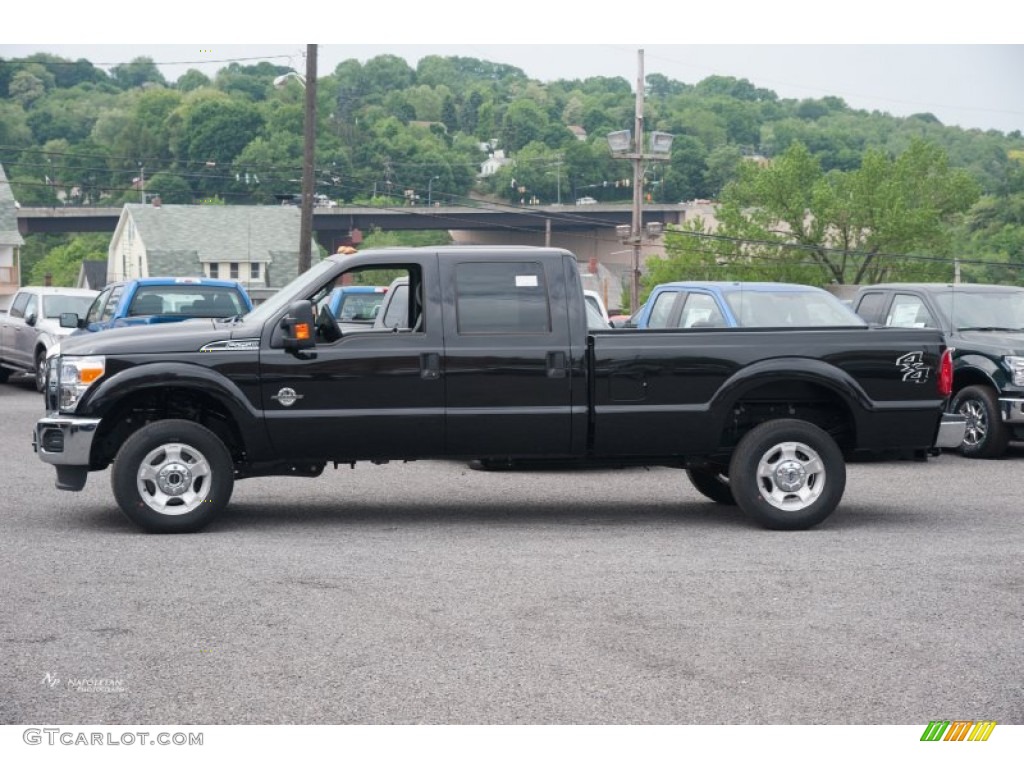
x,y
430,593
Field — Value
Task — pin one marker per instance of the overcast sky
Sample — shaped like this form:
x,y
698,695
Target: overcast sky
x,y
952,63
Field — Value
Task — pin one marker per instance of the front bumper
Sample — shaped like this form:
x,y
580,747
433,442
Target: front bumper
x,y
951,431
1012,410
66,442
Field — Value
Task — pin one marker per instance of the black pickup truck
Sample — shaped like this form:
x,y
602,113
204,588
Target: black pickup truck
x,y
495,361
984,328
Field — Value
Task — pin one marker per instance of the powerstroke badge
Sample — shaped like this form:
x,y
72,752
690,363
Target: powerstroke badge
x,y
231,345
912,367
286,396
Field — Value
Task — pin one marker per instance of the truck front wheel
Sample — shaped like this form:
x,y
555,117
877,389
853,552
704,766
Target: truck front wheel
x,y
172,476
986,436
787,474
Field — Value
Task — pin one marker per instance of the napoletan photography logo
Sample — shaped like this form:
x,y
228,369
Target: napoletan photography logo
x,y
85,684
958,730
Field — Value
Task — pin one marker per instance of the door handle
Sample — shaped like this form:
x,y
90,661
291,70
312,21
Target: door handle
x,y
430,365
556,365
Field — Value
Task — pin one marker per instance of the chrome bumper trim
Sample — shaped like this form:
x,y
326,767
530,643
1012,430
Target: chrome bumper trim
x,y
1012,409
78,435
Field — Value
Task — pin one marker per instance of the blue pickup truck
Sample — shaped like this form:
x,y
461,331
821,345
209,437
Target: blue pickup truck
x,y
743,305
153,300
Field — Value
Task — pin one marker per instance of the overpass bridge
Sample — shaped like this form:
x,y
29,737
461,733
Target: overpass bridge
x,y
588,231
333,225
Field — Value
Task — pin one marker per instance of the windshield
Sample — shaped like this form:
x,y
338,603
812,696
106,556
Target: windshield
x,y
766,309
186,301
997,310
53,306
295,290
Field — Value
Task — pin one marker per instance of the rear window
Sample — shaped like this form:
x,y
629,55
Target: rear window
x,y
186,301
763,309
54,306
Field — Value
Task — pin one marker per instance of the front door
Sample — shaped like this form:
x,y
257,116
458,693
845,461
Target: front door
x,y
374,393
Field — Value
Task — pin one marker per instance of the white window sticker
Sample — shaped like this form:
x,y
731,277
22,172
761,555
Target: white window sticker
x,y
526,281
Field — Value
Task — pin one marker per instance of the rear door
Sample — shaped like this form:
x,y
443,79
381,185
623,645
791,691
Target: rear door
x,y
507,356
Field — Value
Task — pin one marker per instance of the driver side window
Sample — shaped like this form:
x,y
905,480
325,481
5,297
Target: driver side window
x,y
388,298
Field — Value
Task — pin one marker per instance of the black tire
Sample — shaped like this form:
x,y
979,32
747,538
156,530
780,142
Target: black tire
x,y
40,370
189,479
5,374
986,436
787,474
714,485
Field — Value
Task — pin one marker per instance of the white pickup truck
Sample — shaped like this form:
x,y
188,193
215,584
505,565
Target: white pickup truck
x,y
31,325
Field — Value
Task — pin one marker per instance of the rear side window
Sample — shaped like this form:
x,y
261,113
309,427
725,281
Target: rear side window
x,y
18,307
662,310
870,306
502,297
701,311
909,312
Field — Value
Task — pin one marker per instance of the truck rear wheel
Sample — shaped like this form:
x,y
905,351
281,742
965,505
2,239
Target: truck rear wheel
x,y
712,484
172,476
986,436
787,474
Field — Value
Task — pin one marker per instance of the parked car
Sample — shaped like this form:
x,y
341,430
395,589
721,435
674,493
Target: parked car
x,y
594,300
743,305
154,300
586,201
355,307
31,326
984,325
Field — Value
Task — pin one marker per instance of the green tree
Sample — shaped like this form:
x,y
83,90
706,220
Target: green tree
x,y
138,72
64,262
853,227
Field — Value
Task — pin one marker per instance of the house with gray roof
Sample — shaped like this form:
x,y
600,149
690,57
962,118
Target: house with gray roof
x,y
255,244
10,242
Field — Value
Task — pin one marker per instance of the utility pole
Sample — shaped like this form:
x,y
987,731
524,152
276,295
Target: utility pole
x,y
638,184
308,157
631,146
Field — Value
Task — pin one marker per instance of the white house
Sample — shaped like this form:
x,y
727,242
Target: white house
x,y
10,242
254,244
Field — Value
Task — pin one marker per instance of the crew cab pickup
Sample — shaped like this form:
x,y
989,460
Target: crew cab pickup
x,y
157,300
493,361
984,327
32,325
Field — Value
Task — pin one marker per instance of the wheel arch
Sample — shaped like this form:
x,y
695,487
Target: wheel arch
x,y
810,390
139,396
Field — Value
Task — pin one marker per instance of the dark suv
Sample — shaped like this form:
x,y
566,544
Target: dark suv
x,y
984,324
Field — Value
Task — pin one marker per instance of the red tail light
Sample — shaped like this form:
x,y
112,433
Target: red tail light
x,y
945,380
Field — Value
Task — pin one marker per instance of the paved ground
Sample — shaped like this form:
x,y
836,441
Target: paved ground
x,y
430,593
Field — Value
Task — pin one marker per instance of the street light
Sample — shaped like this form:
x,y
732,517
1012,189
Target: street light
x,y
627,145
308,152
430,184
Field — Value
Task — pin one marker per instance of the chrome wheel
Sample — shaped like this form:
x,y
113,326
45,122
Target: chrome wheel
x,y
791,476
977,422
174,479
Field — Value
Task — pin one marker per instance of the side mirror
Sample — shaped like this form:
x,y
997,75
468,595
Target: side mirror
x,y
299,327
69,320
30,319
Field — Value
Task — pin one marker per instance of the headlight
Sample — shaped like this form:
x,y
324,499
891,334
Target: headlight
x,y
75,376
1016,366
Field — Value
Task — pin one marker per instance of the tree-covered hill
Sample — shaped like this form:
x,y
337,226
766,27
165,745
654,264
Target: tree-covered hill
x,y
73,134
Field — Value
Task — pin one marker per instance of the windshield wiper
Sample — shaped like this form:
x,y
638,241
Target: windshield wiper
x,y
233,319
